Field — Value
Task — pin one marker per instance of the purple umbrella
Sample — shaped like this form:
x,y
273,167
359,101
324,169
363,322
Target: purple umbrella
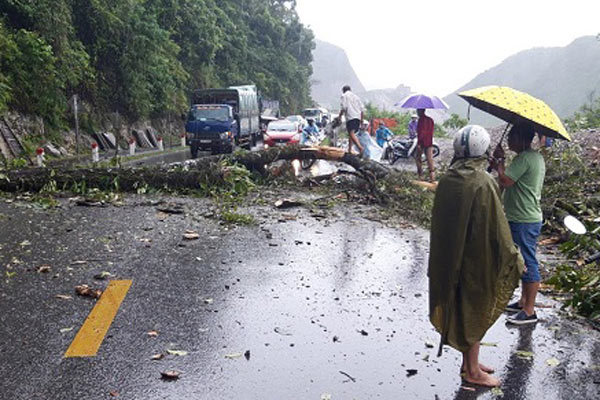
x,y
423,101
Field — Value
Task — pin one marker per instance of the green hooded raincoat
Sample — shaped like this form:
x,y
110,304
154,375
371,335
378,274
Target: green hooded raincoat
x,y
474,266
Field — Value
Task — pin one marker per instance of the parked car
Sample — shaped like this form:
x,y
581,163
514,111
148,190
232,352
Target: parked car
x,y
299,119
282,132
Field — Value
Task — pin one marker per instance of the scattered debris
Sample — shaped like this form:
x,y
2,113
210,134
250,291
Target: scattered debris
x,y
429,345
247,355
177,352
64,297
87,291
114,393
497,392
90,203
103,275
524,355
233,356
553,362
411,372
208,301
43,269
470,389
287,203
157,357
171,208
25,243
325,396
153,333
489,344
348,375
336,339
281,332
65,330
79,262
170,375
191,235
363,332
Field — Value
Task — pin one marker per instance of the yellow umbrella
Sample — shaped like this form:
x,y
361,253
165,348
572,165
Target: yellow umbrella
x,y
513,106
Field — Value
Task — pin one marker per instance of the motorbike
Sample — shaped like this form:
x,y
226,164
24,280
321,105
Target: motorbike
x,y
311,140
397,148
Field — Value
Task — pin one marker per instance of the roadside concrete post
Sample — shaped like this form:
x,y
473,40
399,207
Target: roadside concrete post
x,y
131,146
40,156
160,143
95,154
183,140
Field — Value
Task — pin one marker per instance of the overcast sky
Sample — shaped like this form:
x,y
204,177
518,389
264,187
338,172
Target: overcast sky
x,y
436,46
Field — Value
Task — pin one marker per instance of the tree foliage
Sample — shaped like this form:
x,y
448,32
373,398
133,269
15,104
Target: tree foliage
x,y
588,116
143,58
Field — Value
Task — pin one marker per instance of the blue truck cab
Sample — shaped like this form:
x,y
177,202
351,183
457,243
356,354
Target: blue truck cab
x,y
211,127
220,119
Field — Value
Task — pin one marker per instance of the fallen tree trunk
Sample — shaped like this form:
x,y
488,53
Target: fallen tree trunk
x,y
190,175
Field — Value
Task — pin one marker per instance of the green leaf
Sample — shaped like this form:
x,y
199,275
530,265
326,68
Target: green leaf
x,y
489,344
525,355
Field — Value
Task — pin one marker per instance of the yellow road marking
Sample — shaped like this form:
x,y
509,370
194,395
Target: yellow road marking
x,y
92,332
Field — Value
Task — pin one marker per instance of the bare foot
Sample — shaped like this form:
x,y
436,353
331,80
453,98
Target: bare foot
x,y
482,379
482,367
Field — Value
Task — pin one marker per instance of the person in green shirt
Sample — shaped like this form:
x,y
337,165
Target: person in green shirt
x,y
522,182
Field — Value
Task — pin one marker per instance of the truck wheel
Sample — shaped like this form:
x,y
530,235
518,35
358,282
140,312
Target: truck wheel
x,y
194,151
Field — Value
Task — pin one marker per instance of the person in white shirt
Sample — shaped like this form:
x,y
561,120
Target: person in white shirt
x,y
354,109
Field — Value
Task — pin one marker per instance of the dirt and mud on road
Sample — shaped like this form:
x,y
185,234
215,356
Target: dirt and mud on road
x,y
308,302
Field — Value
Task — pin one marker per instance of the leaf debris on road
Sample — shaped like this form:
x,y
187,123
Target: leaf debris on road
x,y
170,375
348,376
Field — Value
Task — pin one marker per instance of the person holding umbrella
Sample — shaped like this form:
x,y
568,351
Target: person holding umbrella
x,y
523,179
522,182
425,128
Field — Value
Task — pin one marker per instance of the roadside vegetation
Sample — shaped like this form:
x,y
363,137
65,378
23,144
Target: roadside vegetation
x,y
572,187
143,58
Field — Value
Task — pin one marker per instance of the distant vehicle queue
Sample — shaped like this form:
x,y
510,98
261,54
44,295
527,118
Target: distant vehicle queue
x,y
219,120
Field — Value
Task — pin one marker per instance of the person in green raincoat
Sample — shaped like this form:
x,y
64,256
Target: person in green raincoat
x,y
474,265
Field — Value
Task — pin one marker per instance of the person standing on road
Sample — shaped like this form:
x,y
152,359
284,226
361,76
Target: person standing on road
x,y
412,127
522,182
353,108
474,265
425,128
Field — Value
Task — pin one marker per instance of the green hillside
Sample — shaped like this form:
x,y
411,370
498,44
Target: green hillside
x,y
564,77
143,57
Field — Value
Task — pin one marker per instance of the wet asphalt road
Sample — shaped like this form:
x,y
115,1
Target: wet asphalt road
x,y
327,303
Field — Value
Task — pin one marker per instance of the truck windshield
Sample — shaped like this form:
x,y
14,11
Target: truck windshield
x,y
311,113
202,113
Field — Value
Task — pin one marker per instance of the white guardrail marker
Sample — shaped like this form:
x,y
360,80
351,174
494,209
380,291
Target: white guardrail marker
x,y
95,154
40,156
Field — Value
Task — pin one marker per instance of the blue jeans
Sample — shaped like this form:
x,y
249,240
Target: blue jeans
x,y
525,235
